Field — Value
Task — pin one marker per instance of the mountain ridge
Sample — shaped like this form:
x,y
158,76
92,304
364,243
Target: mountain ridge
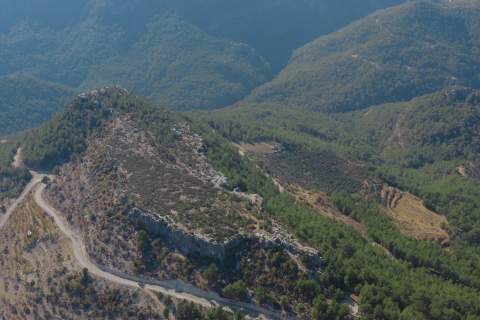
x,y
391,55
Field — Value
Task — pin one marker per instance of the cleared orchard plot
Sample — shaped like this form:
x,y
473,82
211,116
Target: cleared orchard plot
x,y
409,214
317,170
257,146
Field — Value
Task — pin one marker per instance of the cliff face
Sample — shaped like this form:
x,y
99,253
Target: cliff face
x,y
189,243
192,243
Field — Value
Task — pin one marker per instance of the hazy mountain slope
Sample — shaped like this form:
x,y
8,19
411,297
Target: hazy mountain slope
x,y
28,102
391,55
197,70
178,65
274,28
277,27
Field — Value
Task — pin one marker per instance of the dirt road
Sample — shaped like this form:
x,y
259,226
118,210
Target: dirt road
x,y
175,288
29,188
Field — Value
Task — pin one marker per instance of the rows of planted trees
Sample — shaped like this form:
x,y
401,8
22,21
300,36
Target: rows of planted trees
x,y
401,284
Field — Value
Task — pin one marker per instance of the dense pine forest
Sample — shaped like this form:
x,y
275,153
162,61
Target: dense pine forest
x,y
28,102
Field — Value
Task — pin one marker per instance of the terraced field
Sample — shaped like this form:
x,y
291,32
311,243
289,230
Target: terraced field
x,y
409,214
317,170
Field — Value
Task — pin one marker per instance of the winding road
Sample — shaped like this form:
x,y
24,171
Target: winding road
x,y
175,288
19,200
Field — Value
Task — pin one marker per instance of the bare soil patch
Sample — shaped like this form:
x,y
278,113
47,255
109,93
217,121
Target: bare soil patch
x,y
17,159
257,146
471,170
413,219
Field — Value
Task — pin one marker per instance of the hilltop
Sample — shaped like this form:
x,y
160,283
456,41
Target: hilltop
x,y
136,183
154,193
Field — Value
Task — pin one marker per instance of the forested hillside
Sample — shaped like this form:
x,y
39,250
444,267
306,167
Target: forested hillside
x,y
27,102
13,180
173,62
178,65
273,28
388,288
416,145
428,146
406,287
392,55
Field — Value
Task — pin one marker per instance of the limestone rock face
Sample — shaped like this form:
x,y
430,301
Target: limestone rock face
x,y
220,181
188,243
191,243
254,198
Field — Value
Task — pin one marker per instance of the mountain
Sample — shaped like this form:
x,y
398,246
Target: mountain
x,y
151,192
274,28
178,65
183,54
392,55
28,102
146,177
352,175
173,61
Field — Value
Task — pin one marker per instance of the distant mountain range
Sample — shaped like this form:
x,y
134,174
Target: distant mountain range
x,y
392,55
183,54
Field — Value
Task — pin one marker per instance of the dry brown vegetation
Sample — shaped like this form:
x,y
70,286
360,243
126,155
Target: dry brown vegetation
x,y
172,179
471,170
42,280
409,214
264,146
173,183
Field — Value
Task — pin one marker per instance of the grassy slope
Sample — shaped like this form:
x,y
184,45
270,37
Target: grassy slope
x,y
392,55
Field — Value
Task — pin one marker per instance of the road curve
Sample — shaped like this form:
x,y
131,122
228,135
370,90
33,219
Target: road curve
x,y
29,188
175,288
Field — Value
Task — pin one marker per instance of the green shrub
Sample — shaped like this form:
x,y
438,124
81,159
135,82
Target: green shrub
x,y
143,241
235,291
211,274
166,312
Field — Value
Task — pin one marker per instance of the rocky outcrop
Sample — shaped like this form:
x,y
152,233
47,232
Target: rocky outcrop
x,y
255,199
191,243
